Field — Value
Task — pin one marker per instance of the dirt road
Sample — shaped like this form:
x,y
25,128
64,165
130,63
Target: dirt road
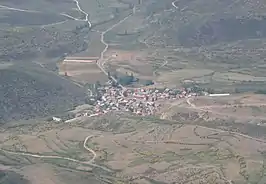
x,y
174,5
82,11
219,130
102,61
89,162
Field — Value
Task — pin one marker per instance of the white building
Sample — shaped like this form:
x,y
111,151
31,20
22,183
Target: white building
x,y
57,119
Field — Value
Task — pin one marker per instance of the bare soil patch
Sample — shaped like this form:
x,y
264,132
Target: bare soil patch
x,y
83,72
153,150
135,62
240,108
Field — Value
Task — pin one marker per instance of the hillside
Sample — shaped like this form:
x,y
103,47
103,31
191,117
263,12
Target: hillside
x,y
10,177
35,36
201,23
215,44
122,148
28,92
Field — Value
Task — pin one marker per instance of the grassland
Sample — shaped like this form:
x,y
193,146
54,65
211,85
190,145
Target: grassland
x,y
157,42
131,149
160,39
163,45
28,91
194,43
35,36
244,113
84,73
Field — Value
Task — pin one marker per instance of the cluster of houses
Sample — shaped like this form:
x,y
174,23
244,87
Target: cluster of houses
x,y
139,101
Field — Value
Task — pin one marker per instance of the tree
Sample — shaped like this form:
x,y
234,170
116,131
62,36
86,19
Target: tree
x,y
125,94
148,82
114,84
132,77
97,84
196,89
210,90
87,86
125,80
237,90
261,91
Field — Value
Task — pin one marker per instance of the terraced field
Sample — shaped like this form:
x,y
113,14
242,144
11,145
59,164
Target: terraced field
x,y
123,148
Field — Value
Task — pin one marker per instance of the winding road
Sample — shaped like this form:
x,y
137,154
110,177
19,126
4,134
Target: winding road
x,y
18,9
100,64
89,162
161,66
102,61
223,131
174,5
82,11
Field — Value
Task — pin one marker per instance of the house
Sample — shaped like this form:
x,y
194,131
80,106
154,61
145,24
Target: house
x,y
57,119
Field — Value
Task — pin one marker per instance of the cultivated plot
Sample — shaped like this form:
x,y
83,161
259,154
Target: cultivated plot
x,y
125,148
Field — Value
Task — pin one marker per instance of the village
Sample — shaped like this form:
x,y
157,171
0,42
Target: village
x,y
140,101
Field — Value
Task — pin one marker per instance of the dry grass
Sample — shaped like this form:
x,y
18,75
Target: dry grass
x,y
135,62
82,72
237,77
146,151
179,76
41,174
242,108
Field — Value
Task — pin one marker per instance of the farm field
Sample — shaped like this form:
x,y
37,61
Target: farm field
x,y
82,72
215,46
241,112
123,148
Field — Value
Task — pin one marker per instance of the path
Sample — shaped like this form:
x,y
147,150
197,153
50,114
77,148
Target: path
x,y
101,61
162,65
88,149
89,162
106,73
82,11
212,110
223,131
54,24
62,14
55,73
174,5
231,105
18,9
71,17
101,65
